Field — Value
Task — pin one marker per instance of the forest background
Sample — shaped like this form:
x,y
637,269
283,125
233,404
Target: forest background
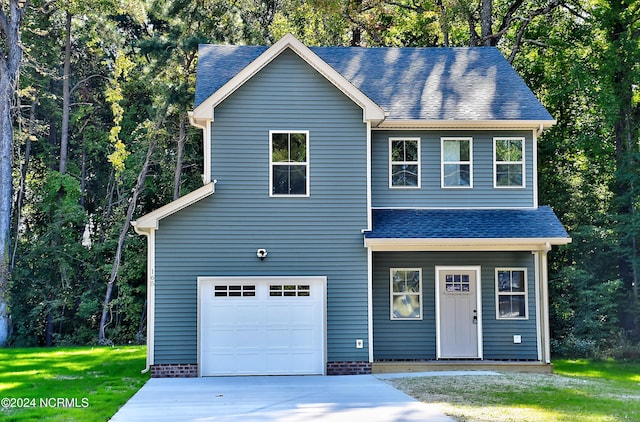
x,y
94,131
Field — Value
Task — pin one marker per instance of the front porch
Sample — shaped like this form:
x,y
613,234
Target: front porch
x,y
388,367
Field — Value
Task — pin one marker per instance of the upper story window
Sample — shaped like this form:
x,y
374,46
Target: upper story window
x,y
508,159
457,162
289,156
511,293
404,162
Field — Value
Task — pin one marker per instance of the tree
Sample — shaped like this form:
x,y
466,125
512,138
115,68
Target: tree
x,y
11,16
620,20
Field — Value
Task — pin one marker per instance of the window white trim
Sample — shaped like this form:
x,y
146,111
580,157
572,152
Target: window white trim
x,y
305,163
469,162
524,293
416,163
418,294
522,162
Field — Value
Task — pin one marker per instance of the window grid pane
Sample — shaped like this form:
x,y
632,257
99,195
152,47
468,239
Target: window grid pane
x,y
405,294
511,292
456,163
405,163
289,290
509,162
457,283
289,163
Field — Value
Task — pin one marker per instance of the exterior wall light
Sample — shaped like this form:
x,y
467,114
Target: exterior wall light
x,y
262,254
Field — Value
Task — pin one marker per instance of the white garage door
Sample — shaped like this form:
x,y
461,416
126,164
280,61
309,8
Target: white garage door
x,y
261,326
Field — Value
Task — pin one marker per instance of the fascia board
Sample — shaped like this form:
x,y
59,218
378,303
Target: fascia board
x,y
502,244
466,124
151,221
371,111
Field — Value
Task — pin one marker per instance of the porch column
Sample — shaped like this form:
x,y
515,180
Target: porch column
x,y
546,330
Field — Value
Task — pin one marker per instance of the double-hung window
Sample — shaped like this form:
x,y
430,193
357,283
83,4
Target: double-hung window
x,y
289,156
508,163
456,163
511,293
406,293
404,162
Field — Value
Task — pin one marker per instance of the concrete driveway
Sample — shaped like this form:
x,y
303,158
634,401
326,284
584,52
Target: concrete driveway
x,y
287,399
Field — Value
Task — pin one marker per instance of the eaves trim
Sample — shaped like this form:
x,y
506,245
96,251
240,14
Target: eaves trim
x,y
464,244
151,221
538,125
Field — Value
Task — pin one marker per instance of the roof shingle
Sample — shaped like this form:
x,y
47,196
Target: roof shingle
x,y
408,83
466,224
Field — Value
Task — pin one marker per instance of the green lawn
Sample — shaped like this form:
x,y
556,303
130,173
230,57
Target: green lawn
x,y
68,384
91,383
600,391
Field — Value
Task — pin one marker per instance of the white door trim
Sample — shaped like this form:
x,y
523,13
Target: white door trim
x,y
477,270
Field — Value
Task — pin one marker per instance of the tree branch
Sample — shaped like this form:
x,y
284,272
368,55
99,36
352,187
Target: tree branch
x,y
82,81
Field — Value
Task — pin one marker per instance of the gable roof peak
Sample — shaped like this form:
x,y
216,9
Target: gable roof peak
x,y
396,87
203,111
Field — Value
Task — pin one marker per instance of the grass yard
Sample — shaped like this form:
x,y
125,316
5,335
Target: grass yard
x,y
68,384
578,391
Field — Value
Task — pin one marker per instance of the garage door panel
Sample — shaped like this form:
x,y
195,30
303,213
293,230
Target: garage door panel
x,y
261,326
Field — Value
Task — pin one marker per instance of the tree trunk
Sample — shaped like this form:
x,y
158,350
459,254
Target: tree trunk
x,y
444,22
102,338
23,180
177,177
6,144
486,23
140,335
66,97
10,61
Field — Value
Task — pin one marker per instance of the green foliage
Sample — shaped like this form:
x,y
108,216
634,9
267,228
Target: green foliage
x,y
133,78
113,94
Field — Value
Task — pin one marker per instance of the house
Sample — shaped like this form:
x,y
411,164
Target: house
x,y
360,206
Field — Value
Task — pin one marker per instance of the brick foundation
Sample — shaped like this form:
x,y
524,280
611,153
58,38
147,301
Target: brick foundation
x,y
190,370
174,370
348,368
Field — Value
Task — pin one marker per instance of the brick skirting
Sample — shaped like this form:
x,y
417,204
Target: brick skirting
x,y
174,370
348,368
190,370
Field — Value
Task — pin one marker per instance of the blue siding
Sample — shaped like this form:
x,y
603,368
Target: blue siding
x,y
431,195
319,235
417,339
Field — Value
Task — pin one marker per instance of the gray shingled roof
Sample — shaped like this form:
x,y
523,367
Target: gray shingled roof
x,y
466,224
408,83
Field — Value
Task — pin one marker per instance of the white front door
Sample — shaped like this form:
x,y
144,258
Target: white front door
x,y
261,325
458,305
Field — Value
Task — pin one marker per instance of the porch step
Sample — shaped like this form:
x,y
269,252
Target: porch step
x,y
461,365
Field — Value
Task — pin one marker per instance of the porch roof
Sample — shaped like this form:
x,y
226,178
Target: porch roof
x,y
535,225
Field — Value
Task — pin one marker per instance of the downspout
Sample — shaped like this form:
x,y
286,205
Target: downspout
x,y
544,272
534,157
538,301
369,251
149,233
369,211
